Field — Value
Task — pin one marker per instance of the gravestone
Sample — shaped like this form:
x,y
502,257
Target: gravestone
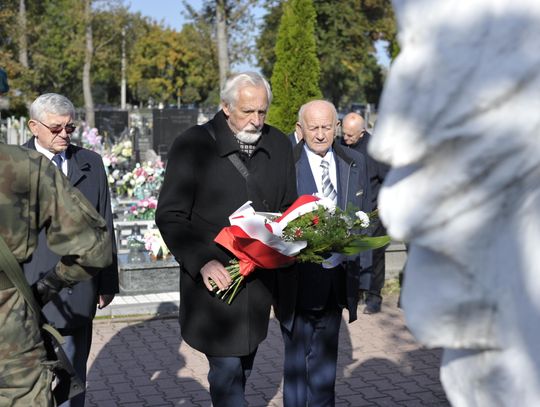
x,y
112,124
168,124
147,276
141,132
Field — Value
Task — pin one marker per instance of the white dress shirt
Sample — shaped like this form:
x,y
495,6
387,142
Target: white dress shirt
x,y
50,155
315,164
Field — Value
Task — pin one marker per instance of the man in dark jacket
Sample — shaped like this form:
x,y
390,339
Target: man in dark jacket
x,y
355,136
202,188
310,301
72,312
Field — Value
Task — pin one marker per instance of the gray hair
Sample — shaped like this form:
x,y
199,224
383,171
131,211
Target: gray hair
x,y
303,108
229,93
51,103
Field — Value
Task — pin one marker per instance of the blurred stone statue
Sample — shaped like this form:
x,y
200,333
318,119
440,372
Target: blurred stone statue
x,y
459,122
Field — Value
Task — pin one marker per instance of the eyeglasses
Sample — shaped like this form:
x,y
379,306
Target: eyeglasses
x,y
69,128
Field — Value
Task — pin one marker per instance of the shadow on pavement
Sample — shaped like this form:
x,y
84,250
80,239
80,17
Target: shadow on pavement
x,y
142,365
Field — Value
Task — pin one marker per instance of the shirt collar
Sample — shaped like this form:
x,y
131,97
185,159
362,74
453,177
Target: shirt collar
x,y
46,152
329,156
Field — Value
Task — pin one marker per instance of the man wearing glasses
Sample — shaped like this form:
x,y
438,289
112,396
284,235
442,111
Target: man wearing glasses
x,y
51,123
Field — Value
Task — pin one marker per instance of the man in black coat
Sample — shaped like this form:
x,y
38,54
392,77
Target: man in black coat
x,y
355,136
72,312
310,299
202,188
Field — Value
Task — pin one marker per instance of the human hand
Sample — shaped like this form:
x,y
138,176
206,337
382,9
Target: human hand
x,y
215,271
104,300
48,287
334,260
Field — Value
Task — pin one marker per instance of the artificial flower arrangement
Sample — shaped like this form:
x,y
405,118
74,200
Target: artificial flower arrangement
x,y
91,140
312,230
142,181
154,243
144,209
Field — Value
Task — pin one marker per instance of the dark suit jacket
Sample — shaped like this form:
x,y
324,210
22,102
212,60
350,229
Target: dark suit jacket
x,y
202,188
376,169
77,306
292,138
310,286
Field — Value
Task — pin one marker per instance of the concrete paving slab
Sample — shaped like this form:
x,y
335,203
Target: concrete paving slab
x,y
144,362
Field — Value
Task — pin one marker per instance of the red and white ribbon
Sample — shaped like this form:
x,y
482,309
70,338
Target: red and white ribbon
x,y
257,242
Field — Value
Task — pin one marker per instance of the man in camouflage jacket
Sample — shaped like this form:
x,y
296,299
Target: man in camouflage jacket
x,y
34,195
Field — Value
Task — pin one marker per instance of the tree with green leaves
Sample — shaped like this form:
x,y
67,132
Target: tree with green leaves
x,y
295,77
232,22
166,65
346,33
65,51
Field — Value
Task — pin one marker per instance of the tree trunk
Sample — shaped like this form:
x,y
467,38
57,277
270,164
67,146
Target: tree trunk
x,y
88,53
123,86
23,40
222,42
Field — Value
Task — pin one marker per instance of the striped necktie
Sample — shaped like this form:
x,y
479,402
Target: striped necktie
x,y
328,189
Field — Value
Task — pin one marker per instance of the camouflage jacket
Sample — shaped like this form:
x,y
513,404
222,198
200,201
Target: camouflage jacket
x,y
35,195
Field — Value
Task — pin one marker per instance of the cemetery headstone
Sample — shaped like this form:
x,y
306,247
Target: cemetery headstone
x,y
168,124
112,124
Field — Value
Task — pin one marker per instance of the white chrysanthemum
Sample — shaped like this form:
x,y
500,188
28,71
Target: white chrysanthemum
x,y
364,218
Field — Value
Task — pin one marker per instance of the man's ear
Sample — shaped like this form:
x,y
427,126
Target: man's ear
x,y
298,128
32,125
226,109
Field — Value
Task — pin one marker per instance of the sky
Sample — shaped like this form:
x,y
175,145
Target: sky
x,y
170,12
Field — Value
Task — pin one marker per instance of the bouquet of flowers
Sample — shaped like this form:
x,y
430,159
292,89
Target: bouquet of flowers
x,y
142,181
91,139
310,230
153,242
144,209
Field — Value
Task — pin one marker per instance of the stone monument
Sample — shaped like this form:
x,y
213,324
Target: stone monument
x,y
459,121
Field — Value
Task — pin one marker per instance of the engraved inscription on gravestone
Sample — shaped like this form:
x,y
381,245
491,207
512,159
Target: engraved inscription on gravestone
x,y
168,124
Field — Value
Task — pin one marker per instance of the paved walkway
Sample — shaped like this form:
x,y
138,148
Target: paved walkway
x,y
145,363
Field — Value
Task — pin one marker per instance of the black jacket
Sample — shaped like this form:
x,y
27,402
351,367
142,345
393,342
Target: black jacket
x,y
376,169
77,306
202,188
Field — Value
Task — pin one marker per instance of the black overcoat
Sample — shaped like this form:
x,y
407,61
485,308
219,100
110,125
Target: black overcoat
x,y
202,188
76,306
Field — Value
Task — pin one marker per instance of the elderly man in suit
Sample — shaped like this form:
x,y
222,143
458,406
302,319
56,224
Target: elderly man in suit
x,y
212,171
72,312
310,299
355,136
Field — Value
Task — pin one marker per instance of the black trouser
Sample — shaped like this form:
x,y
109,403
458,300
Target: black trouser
x,y
227,379
379,264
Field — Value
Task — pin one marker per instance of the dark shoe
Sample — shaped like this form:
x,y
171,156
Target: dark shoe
x,y
373,304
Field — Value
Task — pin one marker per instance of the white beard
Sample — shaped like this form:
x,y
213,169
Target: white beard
x,y
248,137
